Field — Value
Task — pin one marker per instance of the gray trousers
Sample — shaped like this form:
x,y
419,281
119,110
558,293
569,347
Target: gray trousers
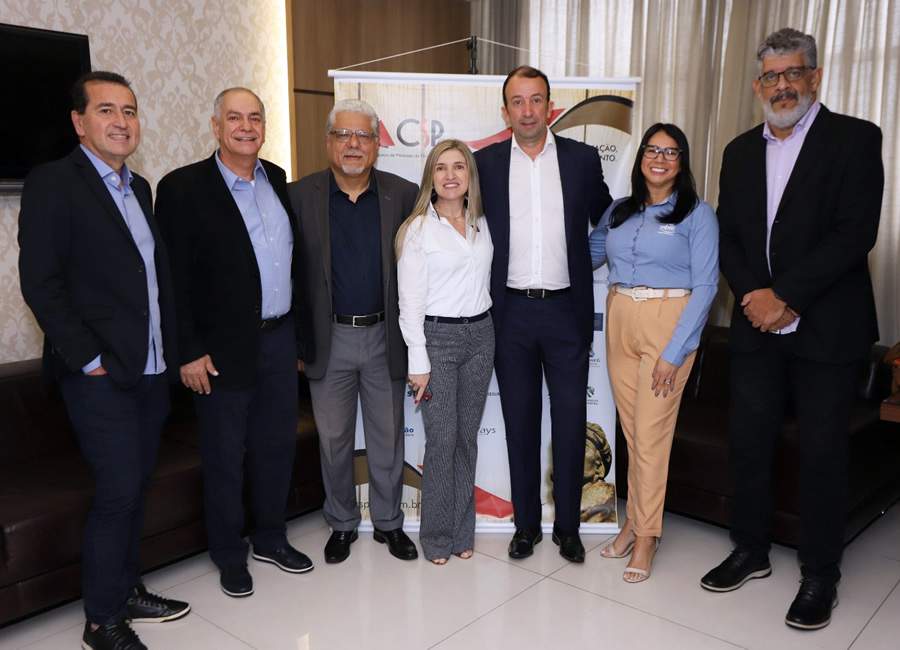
x,y
357,367
462,358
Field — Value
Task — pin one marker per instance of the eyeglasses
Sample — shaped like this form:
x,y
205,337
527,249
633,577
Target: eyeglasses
x,y
652,151
791,75
344,135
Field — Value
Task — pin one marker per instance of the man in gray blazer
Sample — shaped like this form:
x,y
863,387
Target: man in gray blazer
x,y
351,343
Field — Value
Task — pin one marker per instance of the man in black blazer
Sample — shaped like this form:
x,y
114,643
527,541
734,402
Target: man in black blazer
x,y
540,194
348,216
94,271
231,237
799,204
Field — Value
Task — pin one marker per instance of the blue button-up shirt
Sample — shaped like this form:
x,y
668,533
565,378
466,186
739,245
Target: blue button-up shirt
x,y
642,252
270,232
119,186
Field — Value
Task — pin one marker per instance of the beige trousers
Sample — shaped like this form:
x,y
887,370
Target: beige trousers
x,y
637,334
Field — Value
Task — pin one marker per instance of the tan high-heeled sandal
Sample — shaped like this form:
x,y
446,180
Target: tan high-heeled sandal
x,y
609,549
465,555
641,574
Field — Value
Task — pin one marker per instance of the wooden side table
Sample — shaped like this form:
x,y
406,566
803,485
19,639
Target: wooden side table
x,y
890,408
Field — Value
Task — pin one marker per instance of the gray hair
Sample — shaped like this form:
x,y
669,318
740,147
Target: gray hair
x,y
353,106
788,41
217,102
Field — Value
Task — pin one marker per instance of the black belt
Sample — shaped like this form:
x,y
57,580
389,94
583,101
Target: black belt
x,y
272,323
359,321
458,321
537,293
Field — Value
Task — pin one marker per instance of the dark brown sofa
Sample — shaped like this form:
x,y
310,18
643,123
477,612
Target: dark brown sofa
x,y
45,491
699,479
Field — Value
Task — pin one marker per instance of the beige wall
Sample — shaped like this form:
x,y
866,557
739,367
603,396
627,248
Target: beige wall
x,y
178,55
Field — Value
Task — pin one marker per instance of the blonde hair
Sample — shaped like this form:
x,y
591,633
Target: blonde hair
x,y
426,189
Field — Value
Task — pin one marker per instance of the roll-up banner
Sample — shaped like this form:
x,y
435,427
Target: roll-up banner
x,y
416,112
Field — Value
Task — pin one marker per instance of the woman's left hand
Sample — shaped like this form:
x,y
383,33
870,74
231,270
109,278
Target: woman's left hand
x,y
663,378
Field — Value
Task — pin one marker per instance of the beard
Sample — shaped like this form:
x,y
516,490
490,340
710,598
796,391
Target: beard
x,y
786,119
353,169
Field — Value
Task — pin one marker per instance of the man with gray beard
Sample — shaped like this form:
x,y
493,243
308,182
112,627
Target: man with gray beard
x,y
799,204
353,349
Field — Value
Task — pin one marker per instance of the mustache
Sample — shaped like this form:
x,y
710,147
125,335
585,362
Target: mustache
x,y
787,93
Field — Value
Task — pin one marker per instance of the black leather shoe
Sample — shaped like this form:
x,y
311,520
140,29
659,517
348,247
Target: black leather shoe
x,y
570,546
286,558
811,609
145,607
236,581
399,544
112,636
735,570
337,549
523,542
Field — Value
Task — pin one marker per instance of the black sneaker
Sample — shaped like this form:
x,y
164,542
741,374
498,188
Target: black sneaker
x,y
236,581
735,570
286,558
112,636
145,607
811,609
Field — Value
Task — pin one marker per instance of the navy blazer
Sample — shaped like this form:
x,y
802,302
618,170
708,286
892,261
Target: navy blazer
x,y
825,226
218,295
585,198
83,276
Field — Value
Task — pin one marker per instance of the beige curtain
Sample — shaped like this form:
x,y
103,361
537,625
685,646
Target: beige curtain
x,y
697,58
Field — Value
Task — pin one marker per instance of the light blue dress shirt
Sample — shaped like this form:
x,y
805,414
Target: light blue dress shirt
x,y
119,186
270,233
642,252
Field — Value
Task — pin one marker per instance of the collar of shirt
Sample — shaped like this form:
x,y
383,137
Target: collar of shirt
x,y
470,227
120,181
334,188
669,200
801,125
549,141
235,182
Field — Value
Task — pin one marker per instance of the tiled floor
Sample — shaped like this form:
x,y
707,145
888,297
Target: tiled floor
x,y
373,601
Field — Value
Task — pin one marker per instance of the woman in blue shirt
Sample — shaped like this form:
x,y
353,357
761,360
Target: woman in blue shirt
x,y
662,247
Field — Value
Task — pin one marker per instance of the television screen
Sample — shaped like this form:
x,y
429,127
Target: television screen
x,y
35,126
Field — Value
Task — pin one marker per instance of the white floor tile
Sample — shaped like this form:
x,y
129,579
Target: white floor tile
x,y
881,538
883,631
40,627
175,574
189,633
304,524
370,601
553,615
752,616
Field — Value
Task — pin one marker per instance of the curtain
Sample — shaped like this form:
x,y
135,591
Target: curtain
x,y
697,59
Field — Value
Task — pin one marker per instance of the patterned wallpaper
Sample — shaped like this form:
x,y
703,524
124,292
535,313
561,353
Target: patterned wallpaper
x,y
178,54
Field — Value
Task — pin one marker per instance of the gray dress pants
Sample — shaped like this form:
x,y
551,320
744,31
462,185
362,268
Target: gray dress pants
x,y
358,368
462,358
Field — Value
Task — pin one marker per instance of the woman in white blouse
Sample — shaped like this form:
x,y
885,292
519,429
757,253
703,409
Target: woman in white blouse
x,y
444,254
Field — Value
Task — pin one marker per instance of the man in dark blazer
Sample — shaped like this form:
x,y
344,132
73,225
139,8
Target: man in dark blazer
x,y
540,194
349,215
799,204
231,236
94,271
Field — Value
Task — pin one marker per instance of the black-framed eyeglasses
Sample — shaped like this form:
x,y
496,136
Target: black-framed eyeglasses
x,y
652,151
791,75
344,135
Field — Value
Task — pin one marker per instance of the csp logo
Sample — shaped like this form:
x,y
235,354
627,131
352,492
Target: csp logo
x,y
590,392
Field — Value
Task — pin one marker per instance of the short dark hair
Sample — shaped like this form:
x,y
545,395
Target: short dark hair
x,y
684,182
79,92
528,72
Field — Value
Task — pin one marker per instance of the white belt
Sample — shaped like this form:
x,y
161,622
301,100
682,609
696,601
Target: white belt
x,y
639,294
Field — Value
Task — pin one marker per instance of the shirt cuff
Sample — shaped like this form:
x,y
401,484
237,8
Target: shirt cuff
x,y
418,360
91,366
675,357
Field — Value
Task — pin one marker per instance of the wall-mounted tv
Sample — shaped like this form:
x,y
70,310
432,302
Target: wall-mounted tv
x,y
35,126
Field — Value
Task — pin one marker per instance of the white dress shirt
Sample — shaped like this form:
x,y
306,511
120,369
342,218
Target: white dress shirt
x,y
440,273
538,258
781,156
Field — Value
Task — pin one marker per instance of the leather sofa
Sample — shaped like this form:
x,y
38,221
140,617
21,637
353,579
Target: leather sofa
x,y
700,483
46,487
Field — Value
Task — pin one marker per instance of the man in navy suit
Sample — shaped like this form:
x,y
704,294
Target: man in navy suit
x,y
540,194
94,271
